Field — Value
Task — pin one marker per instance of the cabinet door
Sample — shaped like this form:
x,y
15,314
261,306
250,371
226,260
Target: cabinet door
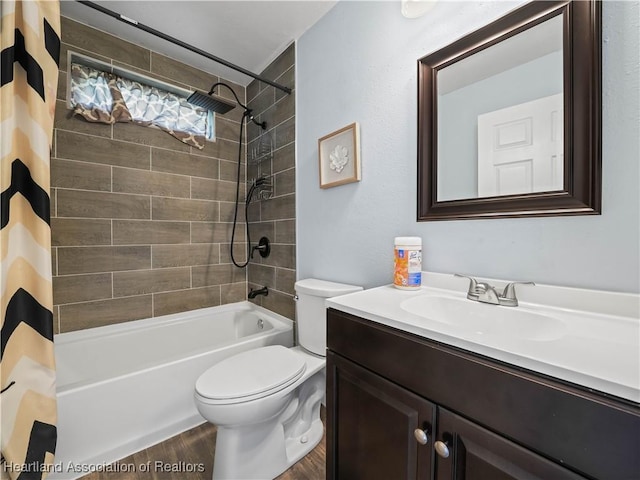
x,y
371,424
475,453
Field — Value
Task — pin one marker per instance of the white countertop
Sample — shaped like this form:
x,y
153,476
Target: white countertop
x,y
598,348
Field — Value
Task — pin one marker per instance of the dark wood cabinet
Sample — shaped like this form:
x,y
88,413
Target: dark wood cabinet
x,y
475,453
376,427
485,419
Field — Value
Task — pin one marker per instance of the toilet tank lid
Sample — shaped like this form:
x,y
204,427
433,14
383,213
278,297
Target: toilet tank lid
x,y
324,288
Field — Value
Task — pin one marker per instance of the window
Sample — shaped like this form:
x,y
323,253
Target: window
x,y
108,97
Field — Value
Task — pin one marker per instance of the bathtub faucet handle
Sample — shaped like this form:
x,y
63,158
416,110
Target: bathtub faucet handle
x,y
263,247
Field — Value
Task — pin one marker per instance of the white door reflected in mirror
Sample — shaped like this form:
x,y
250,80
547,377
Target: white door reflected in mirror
x,y
520,148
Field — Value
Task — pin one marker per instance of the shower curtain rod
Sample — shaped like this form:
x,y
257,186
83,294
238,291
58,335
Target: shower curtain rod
x,y
153,31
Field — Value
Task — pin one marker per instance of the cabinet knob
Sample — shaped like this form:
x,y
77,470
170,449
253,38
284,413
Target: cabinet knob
x,y
442,449
421,436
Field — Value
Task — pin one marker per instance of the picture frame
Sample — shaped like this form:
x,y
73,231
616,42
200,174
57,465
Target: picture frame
x,y
339,157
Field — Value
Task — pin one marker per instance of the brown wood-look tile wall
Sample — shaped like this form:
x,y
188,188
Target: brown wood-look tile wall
x,y
140,221
275,217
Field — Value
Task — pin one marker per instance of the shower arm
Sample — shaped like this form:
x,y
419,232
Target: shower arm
x,y
248,113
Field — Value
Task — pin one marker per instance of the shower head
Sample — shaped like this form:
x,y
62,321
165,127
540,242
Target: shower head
x,y
209,102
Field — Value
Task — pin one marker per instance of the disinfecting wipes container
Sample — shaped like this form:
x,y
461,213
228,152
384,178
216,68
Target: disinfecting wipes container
x,y
408,263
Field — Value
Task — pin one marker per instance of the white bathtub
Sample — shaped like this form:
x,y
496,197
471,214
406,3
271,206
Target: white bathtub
x,y
124,387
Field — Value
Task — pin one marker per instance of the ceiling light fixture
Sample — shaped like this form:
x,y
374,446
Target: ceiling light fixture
x,y
416,8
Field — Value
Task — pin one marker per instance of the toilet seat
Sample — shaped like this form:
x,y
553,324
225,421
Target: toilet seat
x,y
250,375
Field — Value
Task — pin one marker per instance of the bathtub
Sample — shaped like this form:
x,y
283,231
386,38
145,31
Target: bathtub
x,y
122,388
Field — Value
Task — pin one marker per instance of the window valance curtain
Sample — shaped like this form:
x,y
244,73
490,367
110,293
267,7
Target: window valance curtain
x,y
107,98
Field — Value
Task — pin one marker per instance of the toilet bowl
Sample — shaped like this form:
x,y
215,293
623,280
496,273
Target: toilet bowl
x,y
266,402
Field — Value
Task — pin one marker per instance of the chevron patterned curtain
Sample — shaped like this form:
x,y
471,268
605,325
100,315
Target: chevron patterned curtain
x,y
30,53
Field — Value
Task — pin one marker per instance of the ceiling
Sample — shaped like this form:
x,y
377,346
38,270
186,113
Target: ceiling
x,y
249,34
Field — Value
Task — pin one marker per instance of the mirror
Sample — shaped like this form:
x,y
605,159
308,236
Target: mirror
x,y
509,117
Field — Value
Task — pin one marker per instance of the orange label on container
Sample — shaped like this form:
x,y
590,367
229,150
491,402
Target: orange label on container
x,y
408,268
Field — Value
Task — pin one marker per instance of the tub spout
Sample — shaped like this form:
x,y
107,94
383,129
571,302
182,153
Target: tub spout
x,y
260,291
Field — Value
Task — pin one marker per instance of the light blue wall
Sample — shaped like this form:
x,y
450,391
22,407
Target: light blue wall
x,y
359,63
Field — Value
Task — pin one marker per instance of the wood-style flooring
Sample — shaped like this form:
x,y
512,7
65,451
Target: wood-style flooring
x,y
193,450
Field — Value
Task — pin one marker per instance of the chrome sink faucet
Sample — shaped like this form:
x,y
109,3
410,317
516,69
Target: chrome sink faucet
x,y
485,293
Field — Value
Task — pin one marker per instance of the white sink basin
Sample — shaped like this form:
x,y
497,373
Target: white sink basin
x,y
586,337
485,319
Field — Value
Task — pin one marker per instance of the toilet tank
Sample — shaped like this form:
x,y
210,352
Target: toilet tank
x,y
311,316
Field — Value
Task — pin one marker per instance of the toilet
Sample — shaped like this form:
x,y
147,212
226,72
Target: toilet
x,y
266,402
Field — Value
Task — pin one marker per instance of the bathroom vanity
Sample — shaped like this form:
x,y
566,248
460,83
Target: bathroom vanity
x,y
410,399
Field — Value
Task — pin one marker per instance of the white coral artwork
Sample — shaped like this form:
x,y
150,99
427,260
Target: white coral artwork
x,y
338,158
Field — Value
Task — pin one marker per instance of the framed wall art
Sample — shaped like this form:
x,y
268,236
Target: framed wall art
x,y
339,157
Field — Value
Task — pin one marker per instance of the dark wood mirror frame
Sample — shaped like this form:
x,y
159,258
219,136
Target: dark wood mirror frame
x,y
582,60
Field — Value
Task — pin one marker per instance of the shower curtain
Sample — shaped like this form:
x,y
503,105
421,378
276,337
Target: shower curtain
x,y
29,77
